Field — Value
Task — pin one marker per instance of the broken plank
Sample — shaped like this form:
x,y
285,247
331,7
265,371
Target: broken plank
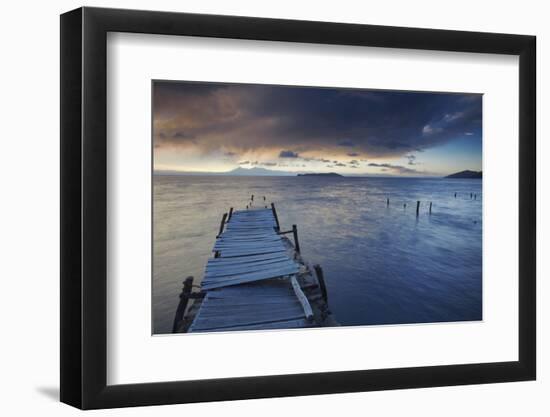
x,y
302,298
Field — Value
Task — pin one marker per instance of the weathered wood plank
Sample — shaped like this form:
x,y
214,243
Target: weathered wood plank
x,y
249,242
302,298
257,312
224,321
234,254
274,287
265,301
285,324
238,266
245,259
252,249
217,282
251,265
248,237
269,268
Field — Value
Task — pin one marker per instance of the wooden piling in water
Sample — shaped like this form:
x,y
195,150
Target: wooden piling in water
x,y
387,202
430,207
321,280
295,233
182,306
275,215
417,207
222,224
252,198
230,213
475,196
455,195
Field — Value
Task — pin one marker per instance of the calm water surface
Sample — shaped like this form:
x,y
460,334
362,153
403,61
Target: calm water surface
x,y
382,265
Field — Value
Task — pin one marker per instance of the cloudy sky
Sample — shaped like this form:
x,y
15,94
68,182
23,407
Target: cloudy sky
x,y
216,127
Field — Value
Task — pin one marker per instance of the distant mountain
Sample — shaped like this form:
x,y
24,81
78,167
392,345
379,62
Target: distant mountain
x,y
321,174
252,172
466,174
257,172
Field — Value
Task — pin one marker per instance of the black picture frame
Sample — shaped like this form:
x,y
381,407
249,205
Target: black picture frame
x,y
84,207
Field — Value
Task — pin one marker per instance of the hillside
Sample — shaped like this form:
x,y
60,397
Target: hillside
x,y
466,174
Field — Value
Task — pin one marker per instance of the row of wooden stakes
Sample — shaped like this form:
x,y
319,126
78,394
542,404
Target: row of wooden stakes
x,y
417,206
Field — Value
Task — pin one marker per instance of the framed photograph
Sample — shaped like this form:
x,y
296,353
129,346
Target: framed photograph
x,y
257,208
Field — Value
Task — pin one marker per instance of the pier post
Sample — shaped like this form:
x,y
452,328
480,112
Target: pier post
x,y
182,306
387,202
275,215
222,224
321,280
470,195
230,213
405,205
430,207
295,233
252,198
475,196
455,195
417,207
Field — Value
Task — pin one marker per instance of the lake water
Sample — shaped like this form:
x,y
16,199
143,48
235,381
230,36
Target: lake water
x,y
382,265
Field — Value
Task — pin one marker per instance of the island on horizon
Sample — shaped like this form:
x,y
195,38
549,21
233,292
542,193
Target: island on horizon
x,y
319,174
466,174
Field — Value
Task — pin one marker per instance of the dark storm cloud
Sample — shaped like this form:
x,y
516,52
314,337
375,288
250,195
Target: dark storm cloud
x,y
412,159
346,143
288,121
288,154
183,135
398,169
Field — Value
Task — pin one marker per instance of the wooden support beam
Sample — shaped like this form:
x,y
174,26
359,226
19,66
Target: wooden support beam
x,y
387,202
321,280
302,298
295,233
230,213
182,306
430,207
417,207
222,224
275,215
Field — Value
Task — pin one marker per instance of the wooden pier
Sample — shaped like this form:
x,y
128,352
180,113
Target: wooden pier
x,y
256,280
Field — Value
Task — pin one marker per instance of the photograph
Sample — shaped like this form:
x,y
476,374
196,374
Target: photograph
x,y
291,207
